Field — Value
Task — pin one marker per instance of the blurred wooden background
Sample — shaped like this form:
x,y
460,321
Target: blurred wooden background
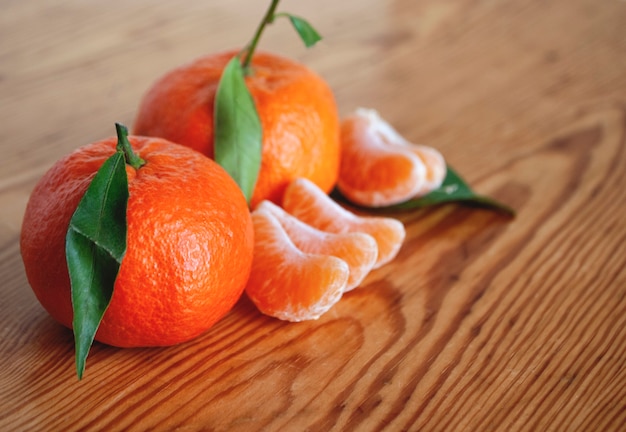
x,y
482,323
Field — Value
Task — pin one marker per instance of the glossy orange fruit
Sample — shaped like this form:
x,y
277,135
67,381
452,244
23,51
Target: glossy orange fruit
x,y
311,205
379,167
189,243
358,250
287,283
296,107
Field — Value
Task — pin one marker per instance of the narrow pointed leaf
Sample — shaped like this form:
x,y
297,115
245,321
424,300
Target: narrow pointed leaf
x,y
453,189
238,133
307,33
95,245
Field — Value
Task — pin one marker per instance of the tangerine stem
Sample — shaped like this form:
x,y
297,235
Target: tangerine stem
x,y
251,47
124,145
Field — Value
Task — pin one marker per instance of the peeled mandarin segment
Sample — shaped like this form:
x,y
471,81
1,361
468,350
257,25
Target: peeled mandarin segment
x,y
366,133
358,250
435,167
372,172
432,159
389,235
312,206
287,283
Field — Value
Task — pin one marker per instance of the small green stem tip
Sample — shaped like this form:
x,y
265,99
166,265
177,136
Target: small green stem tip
x,y
249,52
123,145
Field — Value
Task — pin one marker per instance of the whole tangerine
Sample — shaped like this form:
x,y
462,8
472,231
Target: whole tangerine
x,y
296,108
189,243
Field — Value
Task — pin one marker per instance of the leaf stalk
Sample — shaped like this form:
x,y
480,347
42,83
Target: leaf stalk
x,y
124,146
251,47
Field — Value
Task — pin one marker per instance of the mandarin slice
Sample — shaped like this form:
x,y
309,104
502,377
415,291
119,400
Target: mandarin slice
x,y
358,250
379,167
304,200
287,283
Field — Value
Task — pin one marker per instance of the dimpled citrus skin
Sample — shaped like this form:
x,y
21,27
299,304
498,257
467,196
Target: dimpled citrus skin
x,y
296,108
189,243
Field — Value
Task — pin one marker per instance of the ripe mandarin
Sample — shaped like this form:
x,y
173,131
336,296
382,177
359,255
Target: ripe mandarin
x,y
296,107
189,243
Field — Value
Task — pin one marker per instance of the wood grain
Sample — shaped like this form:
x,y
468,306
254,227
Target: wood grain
x,y
481,323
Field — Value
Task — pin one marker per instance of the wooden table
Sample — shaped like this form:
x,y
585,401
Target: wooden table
x,y
481,323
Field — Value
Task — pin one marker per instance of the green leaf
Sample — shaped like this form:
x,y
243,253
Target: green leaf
x,y
238,133
307,33
453,189
94,246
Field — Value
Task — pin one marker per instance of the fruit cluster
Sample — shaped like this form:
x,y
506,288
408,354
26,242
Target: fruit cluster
x,y
311,251
146,241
